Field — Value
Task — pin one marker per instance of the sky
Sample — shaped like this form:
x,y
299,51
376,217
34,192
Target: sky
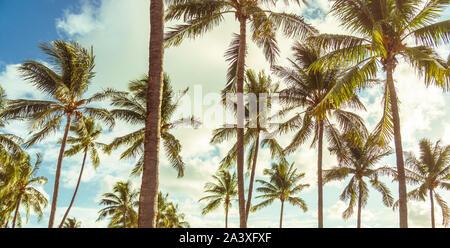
x,y
118,30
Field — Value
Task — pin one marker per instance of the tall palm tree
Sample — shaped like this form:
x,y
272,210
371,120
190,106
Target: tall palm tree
x,y
131,108
72,223
120,206
223,190
357,156
86,133
386,30
23,188
428,172
150,182
262,88
202,16
283,185
304,93
66,84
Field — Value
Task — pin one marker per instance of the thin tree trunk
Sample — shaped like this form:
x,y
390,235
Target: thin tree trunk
x,y
125,220
432,209
358,224
58,172
76,190
281,214
16,212
403,208
226,215
319,176
148,198
240,121
252,178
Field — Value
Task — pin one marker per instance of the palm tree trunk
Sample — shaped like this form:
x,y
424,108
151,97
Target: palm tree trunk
x,y
403,208
432,209
76,190
240,120
148,198
252,178
17,211
125,220
58,172
319,176
226,214
358,224
281,214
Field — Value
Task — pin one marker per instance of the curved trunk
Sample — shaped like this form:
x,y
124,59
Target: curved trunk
x,y
148,199
358,224
252,178
403,208
240,121
17,211
319,177
76,190
432,209
58,172
281,214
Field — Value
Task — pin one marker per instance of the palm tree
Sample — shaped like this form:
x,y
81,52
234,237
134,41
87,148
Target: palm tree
x,y
87,132
8,141
283,185
428,172
120,206
72,223
150,182
65,85
173,219
304,94
23,190
384,30
357,156
202,16
224,190
131,108
262,88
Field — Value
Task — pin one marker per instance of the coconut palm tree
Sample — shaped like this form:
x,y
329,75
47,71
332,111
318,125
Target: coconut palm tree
x,y
23,189
131,108
86,133
120,206
172,218
223,190
357,156
261,89
428,172
150,182
202,16
385,31
304,93
283,185
66,84
72,223
8,141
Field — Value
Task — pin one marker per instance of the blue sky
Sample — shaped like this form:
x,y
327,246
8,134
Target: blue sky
x,y
118,30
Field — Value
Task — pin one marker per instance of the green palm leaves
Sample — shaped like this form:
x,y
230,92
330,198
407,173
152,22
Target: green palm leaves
x,y
283,185
357,157
222,191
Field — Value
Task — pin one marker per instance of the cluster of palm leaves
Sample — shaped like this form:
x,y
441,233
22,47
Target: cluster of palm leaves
x,y
321,84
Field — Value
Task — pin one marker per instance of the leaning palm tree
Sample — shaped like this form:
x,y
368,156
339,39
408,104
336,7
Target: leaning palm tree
x,y
87,132
357,156
131,108
304,93
261,88
120,206
224,190
72,223
385,31
150,182
66,84
283,185
428,172
202,16
23,188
